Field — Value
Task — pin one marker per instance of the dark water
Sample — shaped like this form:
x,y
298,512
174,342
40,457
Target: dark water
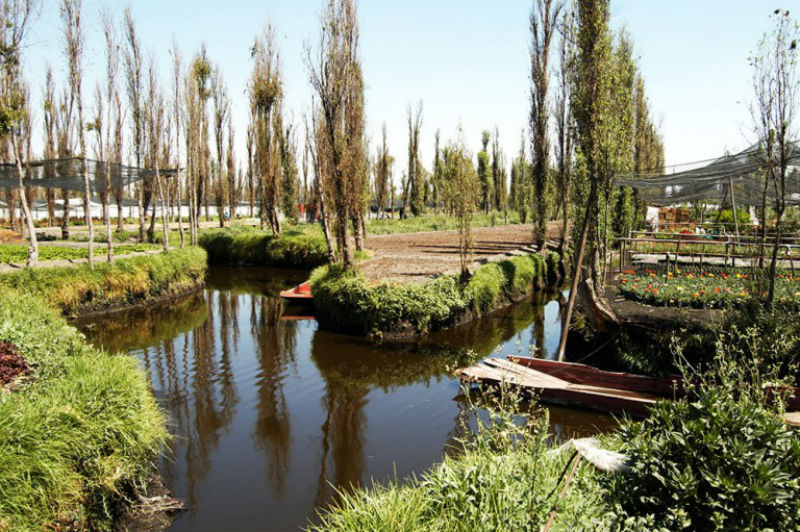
x,y
271,415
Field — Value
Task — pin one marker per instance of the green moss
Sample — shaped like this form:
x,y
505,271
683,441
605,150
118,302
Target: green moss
x,y
344,301
124,281
79,438
253,248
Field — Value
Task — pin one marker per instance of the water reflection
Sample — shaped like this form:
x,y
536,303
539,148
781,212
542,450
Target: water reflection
x,y
271,417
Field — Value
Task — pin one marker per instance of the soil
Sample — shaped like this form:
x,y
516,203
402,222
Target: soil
x,y
416,257
12,365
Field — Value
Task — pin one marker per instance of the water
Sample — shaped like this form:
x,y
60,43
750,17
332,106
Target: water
x,y
271,415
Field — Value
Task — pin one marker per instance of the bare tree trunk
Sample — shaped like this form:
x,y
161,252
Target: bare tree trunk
x,y
33,246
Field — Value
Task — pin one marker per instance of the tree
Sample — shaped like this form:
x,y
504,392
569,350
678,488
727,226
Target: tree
x,y
484,172
463,192
177,69
776,86
290,182
543,22
112,67
14,111
335,76
382,176
563,119
134,86
415,177
73,33
437,182
498,174
50,119
221,120
266,88
521,186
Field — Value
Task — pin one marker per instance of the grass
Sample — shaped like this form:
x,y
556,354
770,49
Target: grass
x,y
81,438
345,301
75,288
18,253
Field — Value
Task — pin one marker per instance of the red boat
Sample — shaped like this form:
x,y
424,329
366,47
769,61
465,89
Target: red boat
x,y
300,293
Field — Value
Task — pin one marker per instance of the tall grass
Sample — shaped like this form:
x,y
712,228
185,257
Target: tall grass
x,y
82,437
125,281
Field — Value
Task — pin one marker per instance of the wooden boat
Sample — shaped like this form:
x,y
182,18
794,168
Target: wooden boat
x,y
299,294
572,384
667,387
558,390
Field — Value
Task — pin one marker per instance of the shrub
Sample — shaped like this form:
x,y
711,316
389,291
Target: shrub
x,y
485,285
253,248
719,460
81,437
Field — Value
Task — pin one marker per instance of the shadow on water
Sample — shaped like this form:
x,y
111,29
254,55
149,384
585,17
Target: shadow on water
x,y
272,416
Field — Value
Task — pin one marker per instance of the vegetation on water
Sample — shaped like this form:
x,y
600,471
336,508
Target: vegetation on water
x,y
79,440
345,301
73,288
17,253
705,289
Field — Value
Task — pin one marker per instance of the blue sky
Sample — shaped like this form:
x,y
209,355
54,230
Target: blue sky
x,y
465,59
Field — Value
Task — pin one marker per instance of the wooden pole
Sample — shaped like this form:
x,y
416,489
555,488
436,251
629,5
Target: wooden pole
x,y
576,270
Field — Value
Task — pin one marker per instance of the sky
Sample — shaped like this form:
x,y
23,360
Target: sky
x,y
466,60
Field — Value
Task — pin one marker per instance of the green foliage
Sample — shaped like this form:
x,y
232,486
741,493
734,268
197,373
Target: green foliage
x,y
725,217
78,439
344,301
18,253
719,460
124,281
262,249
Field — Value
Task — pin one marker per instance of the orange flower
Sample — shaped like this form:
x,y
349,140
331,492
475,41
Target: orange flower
x,y
695,295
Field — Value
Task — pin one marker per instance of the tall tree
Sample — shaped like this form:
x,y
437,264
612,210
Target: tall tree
x,y
290,179
73,33
464,192
777,94
50,119
484,172
563,120
221,119
177,69
335,76
266,87
14,110
543,22
498,174
134,84
112,68
415,178
437,182
382,162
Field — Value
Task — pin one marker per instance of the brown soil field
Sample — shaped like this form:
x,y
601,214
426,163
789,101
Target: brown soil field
x,y
416,257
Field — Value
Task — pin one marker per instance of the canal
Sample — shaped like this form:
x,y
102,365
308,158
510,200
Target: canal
x,y
272,416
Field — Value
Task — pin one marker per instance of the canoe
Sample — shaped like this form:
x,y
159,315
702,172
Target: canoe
x,y
558,390
299,293
670,387
666,387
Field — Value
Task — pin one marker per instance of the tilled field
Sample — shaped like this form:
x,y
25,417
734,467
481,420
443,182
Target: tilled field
x,y
416,257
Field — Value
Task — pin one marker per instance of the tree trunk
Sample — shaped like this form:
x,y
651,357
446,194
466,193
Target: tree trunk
x,y
33,245
65,217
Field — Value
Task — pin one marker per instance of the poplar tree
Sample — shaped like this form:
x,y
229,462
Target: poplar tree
x,y
382,177
415,177
484,172
543,22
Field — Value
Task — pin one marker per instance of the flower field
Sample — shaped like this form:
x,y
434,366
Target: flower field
x,y
703,289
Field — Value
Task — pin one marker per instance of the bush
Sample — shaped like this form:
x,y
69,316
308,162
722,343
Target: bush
x,y
124,281
719,460
344,301
253,248
82,437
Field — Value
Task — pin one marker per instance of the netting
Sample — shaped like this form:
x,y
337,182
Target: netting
x,y
741,174
67,174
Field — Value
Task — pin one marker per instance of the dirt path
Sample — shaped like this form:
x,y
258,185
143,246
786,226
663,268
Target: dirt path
x,y
416,257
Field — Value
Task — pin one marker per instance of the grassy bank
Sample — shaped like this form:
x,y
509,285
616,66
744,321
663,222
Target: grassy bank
x,y
344,301
126,281
81,437
18,254
256,248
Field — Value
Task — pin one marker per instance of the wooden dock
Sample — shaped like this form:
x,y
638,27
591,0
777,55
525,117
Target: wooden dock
x,y
551,389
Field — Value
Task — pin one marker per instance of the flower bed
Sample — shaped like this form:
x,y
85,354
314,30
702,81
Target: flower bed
x,y
703,289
